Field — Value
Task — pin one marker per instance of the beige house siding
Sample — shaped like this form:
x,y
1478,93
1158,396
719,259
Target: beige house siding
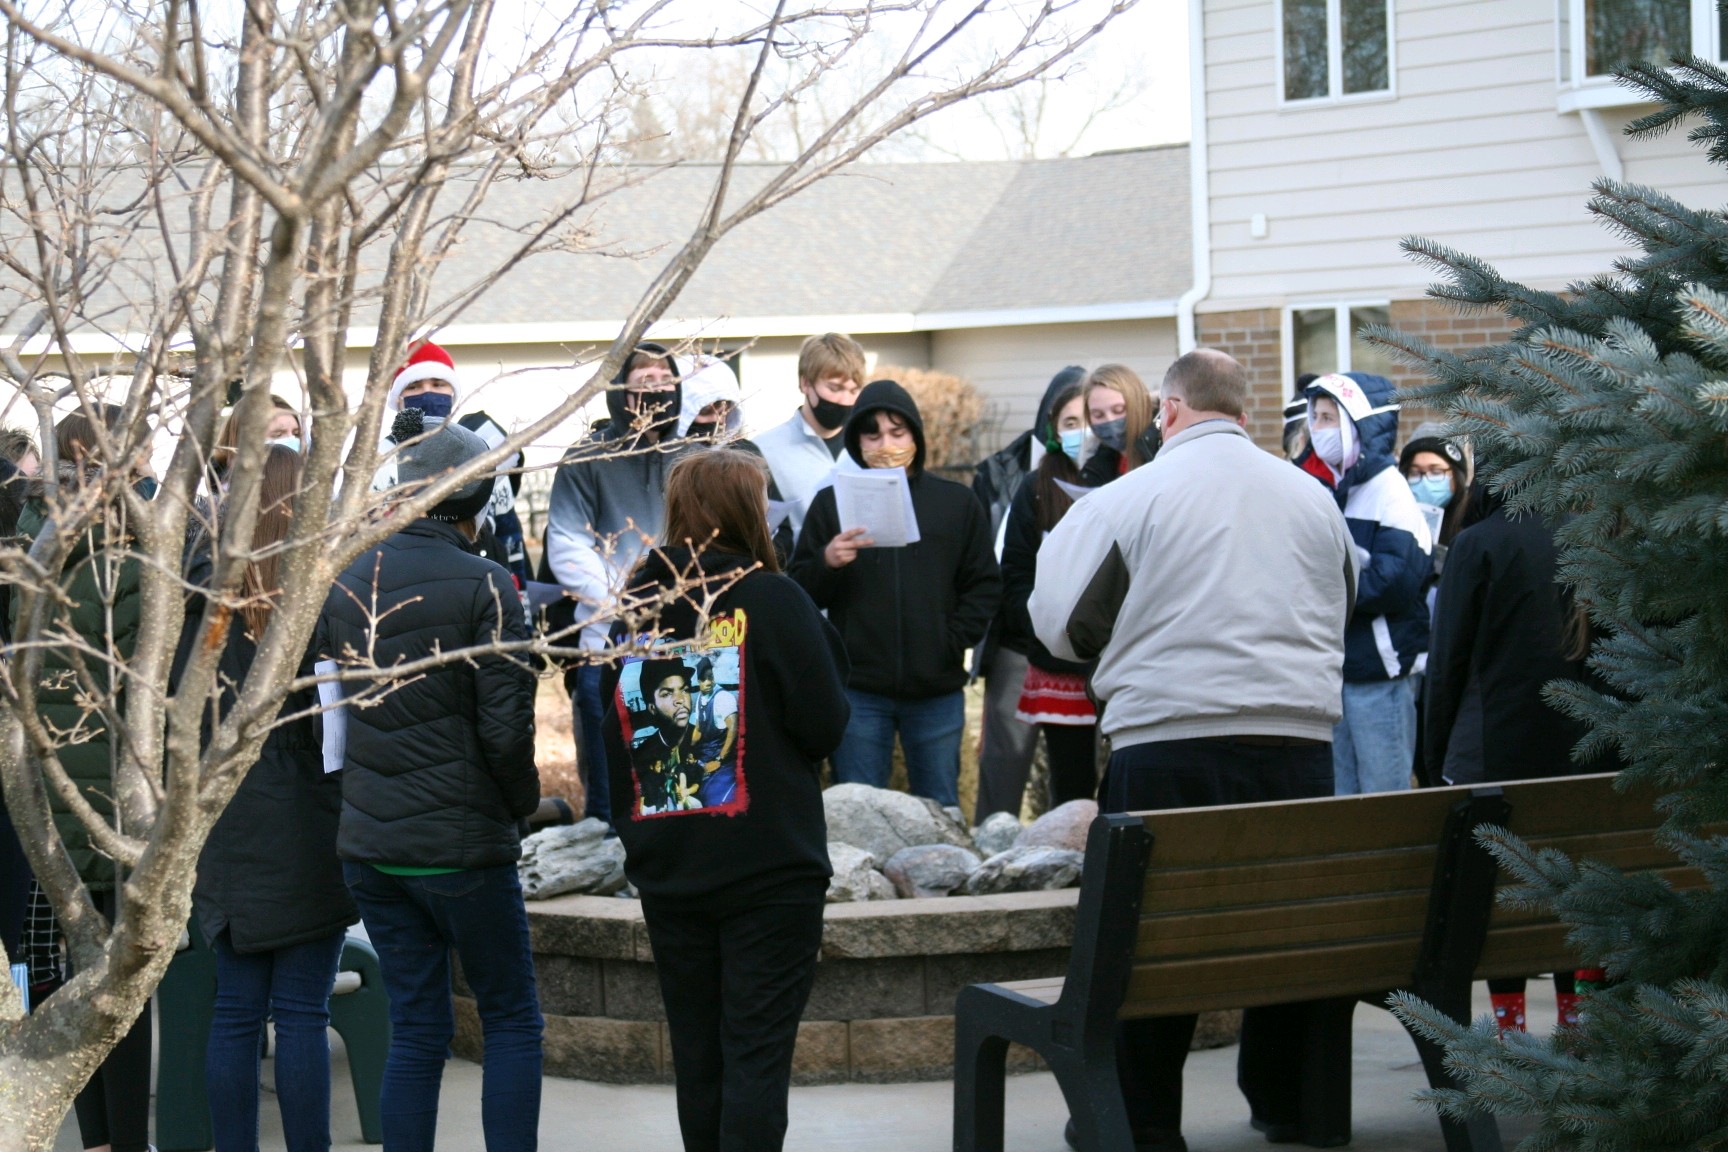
x,y
1471,152
1013,366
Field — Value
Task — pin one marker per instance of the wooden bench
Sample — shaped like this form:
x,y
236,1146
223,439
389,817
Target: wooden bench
x,y
1199,909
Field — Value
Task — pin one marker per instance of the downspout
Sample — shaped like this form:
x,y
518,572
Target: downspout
x,y
1200,206
1602,140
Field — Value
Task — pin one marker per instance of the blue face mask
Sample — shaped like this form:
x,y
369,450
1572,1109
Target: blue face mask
x,y
288,442
1435,491
1072,440
435,404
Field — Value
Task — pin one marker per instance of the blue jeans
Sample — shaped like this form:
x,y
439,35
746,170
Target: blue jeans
x,y
292,986
1374,745
591,744
414,922
930,732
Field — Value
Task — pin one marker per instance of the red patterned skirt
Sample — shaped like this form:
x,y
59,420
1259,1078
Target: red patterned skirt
x,y
1055,698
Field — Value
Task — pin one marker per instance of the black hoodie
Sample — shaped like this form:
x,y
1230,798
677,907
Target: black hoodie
x,y
698,814
908,614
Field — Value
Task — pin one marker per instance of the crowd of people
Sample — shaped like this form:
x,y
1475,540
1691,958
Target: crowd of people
x,y
1181,618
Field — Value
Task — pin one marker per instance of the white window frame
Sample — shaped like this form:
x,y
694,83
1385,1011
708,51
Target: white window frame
x,y
1578,91
1335,93
1341,330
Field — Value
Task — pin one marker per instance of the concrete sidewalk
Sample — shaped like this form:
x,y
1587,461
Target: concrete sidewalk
x,y
578,1115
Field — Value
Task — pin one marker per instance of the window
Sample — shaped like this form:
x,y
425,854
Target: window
x,y
1329,338
1595,38
1335,48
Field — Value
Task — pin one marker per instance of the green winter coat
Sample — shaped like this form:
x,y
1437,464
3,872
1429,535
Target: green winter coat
x,y
91,582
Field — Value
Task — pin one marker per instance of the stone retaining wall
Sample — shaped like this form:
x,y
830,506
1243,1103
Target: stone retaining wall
x,y
881,1009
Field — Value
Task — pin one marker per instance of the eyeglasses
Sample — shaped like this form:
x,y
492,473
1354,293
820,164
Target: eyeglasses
x,y
1438,472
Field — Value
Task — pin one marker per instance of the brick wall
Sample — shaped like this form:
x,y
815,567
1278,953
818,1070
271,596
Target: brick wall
x,y
1253,336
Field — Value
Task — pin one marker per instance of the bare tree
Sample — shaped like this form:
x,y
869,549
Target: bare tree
x,y
193,201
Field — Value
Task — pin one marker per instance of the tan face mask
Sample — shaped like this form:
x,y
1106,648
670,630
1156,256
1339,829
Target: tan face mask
x,y
892,457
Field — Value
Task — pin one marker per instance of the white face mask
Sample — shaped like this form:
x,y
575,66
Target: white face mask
x,y
1328,445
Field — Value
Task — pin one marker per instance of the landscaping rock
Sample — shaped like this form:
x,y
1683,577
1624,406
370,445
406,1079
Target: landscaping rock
x,y
930,869
1022,869
997,833
882,821
571,858
1064,826
855,876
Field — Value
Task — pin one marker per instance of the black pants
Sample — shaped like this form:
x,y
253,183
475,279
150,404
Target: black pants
x,y
734,976
1276,1041
14,889
1073,752
114,1107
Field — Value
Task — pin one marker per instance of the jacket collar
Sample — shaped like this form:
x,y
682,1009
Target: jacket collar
x,y
1204,428
438,530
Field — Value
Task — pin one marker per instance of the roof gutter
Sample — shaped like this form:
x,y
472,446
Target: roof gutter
x,y
1199,187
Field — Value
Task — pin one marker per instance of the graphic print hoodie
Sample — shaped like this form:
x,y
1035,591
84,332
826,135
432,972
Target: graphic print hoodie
x,y
1388,636
710,798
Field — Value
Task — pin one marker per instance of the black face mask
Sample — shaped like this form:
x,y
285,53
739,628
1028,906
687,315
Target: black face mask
x,y
661,406
703,430
829,414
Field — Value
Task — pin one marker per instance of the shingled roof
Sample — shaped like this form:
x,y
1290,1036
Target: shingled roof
x,y
904,245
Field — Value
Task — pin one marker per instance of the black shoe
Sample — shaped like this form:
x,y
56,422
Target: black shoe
x,y
1145,1139
1293,1134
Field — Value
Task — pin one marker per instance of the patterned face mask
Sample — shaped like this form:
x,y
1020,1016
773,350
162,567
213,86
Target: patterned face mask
x,y
891,457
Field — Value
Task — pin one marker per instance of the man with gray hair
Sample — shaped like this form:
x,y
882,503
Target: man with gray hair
x,y
1212,586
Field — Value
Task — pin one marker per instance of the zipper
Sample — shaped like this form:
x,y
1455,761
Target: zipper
x,y
899,632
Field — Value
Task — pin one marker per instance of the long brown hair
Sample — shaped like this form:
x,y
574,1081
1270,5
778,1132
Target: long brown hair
x,y
1052,503
718,499
1126,382
276,492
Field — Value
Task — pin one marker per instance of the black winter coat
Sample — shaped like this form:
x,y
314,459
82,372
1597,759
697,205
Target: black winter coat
x,y
269,874
1020,574
1499,636
756,823
907,615
438,770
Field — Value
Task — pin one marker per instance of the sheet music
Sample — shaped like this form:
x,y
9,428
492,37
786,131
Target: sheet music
x,y
335,717
878,500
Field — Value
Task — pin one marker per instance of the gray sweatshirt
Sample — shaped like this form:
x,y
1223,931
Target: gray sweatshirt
x,y
1212,585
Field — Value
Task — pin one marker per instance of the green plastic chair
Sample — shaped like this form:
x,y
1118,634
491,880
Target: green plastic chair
x,y
186,1002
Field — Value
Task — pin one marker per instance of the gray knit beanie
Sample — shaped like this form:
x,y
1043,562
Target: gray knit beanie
x,y
434,447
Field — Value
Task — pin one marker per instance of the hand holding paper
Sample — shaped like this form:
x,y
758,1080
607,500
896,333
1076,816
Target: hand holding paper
x,y
878,501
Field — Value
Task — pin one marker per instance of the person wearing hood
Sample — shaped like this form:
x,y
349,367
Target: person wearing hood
x,y
1006,744
725,838
436,774
712,407
908,614
607,506
1054,697
802,450
1352,426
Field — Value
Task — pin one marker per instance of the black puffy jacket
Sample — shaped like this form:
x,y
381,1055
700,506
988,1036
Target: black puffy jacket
x,y
907,615
439,769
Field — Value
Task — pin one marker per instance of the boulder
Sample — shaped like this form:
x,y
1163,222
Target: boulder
x,y
1023,869
997,833
1064,826
855,876
571,858
930,869
882,821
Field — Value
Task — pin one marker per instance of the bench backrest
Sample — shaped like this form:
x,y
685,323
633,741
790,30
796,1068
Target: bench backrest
x,y
1266,903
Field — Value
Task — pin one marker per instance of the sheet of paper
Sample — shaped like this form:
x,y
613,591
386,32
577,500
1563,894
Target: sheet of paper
x,y
779,511
335,717
878,500
1075,491
541,595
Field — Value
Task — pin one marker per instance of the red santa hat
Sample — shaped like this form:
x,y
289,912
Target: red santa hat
x,y
427,361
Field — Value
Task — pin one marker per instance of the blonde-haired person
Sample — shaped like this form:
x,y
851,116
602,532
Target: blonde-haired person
x,y
726,839
1123,417
802,449
270,897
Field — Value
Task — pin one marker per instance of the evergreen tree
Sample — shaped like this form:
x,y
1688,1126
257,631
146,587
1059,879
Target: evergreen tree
x,y
1607,411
